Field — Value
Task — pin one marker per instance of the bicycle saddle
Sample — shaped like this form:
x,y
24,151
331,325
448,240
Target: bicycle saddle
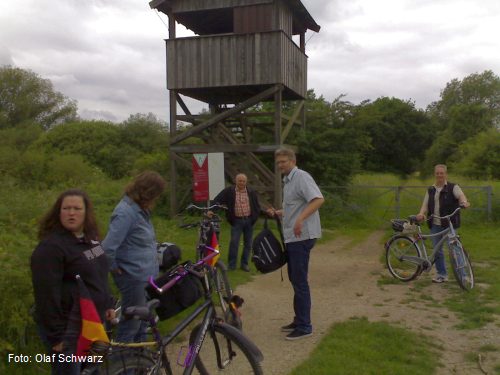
x,y
141,312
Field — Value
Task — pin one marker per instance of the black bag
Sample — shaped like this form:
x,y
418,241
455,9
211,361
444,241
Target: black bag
x,y
268,251
169,255
183,294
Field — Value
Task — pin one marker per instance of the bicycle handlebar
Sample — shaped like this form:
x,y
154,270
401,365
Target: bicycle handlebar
x,y
447,216
204,209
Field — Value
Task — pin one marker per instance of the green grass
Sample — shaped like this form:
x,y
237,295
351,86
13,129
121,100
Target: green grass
x,y
361,347
481,305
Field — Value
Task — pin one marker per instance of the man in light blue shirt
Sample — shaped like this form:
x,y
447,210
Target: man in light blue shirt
x,y
301,227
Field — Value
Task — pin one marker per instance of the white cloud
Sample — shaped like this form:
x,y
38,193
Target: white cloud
x,y
109,55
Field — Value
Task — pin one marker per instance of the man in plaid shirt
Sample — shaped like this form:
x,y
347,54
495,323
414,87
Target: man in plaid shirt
x,y
242,213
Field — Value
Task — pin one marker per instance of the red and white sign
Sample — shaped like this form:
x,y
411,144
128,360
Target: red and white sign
x,y
200,177
208,175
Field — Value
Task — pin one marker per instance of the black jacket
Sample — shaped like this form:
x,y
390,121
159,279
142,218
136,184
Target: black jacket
x,y
54,264
447,204
228,198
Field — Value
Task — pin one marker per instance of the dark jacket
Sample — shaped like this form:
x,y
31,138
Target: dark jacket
x,y
447,204
54,264
228,198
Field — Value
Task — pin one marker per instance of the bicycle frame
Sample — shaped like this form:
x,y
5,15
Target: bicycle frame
x,y
448,234
207,225
209,318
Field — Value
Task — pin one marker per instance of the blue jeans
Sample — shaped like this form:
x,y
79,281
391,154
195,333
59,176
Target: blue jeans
x,y
298,268
132,294
439,260
240,226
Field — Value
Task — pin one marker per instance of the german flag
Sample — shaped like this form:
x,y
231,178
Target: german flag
x,y
214,244
92,328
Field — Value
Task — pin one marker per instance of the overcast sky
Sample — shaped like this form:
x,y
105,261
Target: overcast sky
x,y
109,55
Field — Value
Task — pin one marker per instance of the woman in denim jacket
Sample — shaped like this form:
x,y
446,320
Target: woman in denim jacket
x,y
130,246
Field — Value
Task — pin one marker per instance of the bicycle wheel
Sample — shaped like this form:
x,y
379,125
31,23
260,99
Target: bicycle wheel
x,y
402,258
124,362
226,350
223,288
460,263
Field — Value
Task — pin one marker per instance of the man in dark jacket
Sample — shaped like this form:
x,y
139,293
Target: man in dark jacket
x,y
441,199
242,213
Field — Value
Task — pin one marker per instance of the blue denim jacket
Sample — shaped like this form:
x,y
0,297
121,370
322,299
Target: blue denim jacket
x,y
131,241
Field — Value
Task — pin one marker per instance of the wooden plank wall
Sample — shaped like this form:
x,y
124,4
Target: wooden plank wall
x,y
283,15
195,5
236,60
254,18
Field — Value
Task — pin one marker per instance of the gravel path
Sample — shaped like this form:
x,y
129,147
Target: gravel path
x,y
343,280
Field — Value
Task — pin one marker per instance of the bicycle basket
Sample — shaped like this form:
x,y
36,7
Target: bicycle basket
x,y
409,228
398,225
183,294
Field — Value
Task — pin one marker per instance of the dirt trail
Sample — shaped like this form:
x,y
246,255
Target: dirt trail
x,y
343,282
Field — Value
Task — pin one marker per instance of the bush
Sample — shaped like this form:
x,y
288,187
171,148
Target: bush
x,y
480,157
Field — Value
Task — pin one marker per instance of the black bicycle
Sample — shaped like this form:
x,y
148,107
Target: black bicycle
x,y
214,346
208,234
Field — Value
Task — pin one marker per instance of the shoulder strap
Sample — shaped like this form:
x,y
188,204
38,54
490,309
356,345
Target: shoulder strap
x,y
265,222
280,228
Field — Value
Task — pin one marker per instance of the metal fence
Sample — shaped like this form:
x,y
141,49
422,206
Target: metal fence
x,y
382,203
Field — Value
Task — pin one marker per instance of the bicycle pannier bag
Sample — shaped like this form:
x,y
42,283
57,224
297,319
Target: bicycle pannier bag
x,y
183,294
169,255
268,251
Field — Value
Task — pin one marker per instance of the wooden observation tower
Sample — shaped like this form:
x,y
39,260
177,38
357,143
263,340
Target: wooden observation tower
x,y
243,54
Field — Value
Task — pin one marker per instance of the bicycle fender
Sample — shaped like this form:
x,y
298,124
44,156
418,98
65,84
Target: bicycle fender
x,y
247,342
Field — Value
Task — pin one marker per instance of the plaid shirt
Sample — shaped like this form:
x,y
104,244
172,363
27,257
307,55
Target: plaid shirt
x,y
242,204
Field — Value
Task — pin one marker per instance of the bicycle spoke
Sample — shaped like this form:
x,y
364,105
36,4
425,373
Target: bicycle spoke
x,y
402,258
462,268
223,352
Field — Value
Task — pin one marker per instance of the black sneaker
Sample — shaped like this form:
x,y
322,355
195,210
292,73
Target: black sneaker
x,y
245,268
296,335
289,328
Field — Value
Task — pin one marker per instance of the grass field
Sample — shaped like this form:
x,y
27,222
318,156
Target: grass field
x,y
354,213
362,347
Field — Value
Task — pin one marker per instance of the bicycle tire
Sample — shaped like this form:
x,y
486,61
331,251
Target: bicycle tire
x,y
222,287
126,363
401,269
461,265
239,355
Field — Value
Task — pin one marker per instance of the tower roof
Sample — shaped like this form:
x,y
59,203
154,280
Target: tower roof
x,y
196,19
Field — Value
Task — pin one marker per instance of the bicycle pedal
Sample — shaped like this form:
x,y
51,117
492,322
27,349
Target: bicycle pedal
x,y
426,266
185,356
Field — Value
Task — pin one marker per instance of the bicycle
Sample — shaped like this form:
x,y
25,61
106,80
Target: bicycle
x,y
406,253
208,226
214,346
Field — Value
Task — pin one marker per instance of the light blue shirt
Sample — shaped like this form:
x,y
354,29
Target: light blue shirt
x,y
299,189
131,241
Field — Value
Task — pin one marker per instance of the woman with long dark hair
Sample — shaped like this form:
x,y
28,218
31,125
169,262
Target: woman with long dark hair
x,y
69,246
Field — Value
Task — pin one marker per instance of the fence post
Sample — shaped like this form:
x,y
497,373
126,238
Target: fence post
x,y
489,194
397,198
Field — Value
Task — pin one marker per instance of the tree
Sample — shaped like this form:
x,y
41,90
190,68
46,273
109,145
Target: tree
x,y
25,97
114,149
480,156
399,134
329,149
466,108
145,132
